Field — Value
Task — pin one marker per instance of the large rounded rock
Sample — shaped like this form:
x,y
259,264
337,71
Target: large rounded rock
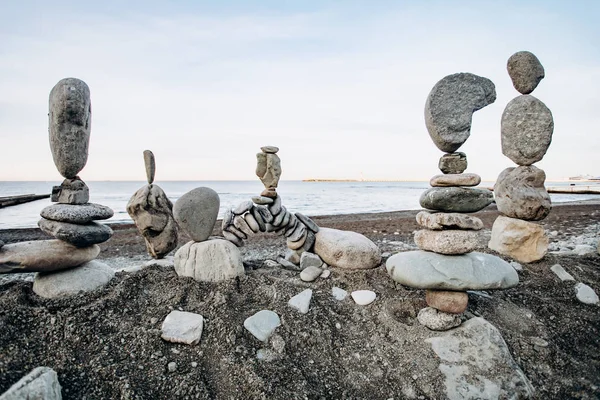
x,y
76,213
473,271
44,255
345,249
520,193
40,384
439,221
209,261
450,107
525,71
196,212
69,125
76,234
526,130
456,199
447,241
85,278
524,241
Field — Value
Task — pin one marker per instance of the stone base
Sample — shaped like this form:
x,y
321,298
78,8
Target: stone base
x,y
44,256
209,261
87,277
447,301
438,320
524,241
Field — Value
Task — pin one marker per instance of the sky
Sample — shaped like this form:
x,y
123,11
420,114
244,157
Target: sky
x,y
338,86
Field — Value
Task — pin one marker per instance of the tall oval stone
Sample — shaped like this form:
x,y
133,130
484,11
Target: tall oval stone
x,y
526,127
69,125
150,164
525,71
196,212
450,106
520,193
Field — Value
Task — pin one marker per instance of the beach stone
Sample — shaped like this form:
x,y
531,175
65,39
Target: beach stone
x,y
71,191
151,211
44,255
453,163
69,121
40,384
293,256
450,106
516,266
288,265
196,212
301,301
437,320
310,224
182,327
439,221
520,193
325,274
525,71
526,130
275,208
455,180
585,294
477,364
236,232
363,297
1,244
233,239
561,273
446,301
346,250
270,192
297,233
309,274
262,200
243,207
213,260
338,293
78,235
251,221
262,324
278,220
472,271
240,222
456,199
85,278
268,169
521,240
150,164
76,214
259,219
584,250
261,213
310,260
269,149
309,243
227,219
447,241
297,244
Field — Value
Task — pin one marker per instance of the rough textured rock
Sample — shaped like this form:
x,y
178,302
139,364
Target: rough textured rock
x,y
437,320
525,71
301,301
347,250
526,130
524,241
450,106
76,214
474,271
44,255
150,164
262,324
40,384
77,234
71,191
456,199
87,277
70,124
520,193
446,301
182,327
440,220
196,212
151,210
268,169
477,364
455,180
209,261
454,163
447,241
308,259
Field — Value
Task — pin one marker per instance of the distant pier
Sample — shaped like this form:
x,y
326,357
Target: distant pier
x,y
24,198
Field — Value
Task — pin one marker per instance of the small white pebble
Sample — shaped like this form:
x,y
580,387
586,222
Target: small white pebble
x,y
338,325
363,297
172,366
194,364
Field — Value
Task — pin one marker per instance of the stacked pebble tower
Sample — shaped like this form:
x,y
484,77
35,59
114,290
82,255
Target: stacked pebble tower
x,y
526,128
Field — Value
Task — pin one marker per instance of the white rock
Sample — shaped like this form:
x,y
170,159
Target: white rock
x,y
363,297
326,273
209,261
182,327
345,249
301,301
586,294
338,293
262,324
167,262
310,274
40,384
561,273
87,277
516,266
584,249
172,366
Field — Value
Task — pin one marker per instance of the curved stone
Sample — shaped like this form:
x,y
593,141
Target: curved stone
x,y
251,221
447,241
87,277
227,219
526,130
76,234
450,106
520,193
76,213
212,260
439,221
525,71
243,207
472,271
233,239
150,164
240,222
70,114
262,200
455,180
269,149
453,163
456,199
310,224
296,244
44,255
275,208
196,212
524,241
278,221
345,249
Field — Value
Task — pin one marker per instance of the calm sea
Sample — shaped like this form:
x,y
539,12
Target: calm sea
x,y
310,198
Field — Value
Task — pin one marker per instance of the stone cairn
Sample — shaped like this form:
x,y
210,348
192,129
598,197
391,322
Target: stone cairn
x,y
447,266
66,265
151,210
526,127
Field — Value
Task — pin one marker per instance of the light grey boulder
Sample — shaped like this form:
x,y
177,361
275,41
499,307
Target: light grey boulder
x,y
310,274
310,260
526,130
76,214
84,278
520,193
196,212
448,241
262,324
455,180
525,71
453,163
560,272
71,191
585,294
437,320
521,240
80,235
69,121
182,327
44,256
456,199
346,249
472,271
150,165
301,301
440,220
450,106
213,260
40,384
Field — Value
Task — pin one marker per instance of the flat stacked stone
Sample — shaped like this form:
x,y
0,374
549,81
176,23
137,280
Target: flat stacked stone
x,y
527,126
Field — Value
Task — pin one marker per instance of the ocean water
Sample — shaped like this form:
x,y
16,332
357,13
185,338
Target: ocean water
x,y
309,198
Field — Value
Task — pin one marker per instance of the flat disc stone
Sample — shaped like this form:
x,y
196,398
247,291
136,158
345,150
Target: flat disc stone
x,y
77,213
525,71
80,235
84,278
456,199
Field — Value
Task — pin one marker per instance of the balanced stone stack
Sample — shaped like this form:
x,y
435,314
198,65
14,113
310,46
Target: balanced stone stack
x,y
447,266
204,259
151,210
526,127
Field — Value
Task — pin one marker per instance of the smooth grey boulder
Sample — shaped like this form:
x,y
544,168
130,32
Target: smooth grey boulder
x,y
212,260
262,324
439,221
525,71
71,191
456,199
301,301
76,213
526,130
80,235
450,106
150,164
44,255
455,180
87,277
346,249
472,271
69,124
453,163
196,212
520,193
40,384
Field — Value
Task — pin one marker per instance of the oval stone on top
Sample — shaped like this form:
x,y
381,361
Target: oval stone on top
x,y
525,71
196,212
